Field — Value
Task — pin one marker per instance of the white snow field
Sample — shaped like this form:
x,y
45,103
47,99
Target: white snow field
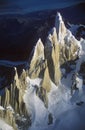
x,y
4,126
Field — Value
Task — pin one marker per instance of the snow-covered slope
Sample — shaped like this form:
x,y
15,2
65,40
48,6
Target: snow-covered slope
x,y
4,126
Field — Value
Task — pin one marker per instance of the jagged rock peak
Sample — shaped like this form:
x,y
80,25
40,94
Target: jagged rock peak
x,y
52,56
38,50
46,82
16,74
59,17
37,59
60,27
52,38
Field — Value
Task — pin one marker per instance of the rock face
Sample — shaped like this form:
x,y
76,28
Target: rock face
x,y
36,64
45,61
82,71
46,83
60,48
52,56
45,64
60,28
68,43
13,103
8,116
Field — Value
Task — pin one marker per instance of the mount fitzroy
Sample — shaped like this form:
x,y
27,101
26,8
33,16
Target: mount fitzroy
x,y
45,64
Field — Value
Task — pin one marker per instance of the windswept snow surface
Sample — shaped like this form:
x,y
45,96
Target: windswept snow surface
x,y
4,126
1,108
35,106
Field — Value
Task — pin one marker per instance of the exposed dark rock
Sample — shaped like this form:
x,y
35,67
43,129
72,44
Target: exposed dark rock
x,y
80,103
50,119
82,71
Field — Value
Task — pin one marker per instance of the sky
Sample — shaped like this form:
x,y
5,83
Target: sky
x,y
34,5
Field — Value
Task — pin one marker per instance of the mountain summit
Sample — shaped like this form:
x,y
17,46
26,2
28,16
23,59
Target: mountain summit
x,y
60,47
39,96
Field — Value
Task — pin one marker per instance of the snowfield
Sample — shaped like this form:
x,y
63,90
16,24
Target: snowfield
x,y
4,126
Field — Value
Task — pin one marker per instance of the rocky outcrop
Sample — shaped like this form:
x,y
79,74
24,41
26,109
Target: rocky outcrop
x,y
60,28
52,57
45,64
46,82
46,60
82,71
68,43
13,97
8,116
60,47
37,61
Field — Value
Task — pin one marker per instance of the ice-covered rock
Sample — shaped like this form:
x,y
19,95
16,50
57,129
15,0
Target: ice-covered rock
x,y
13,97
68,43
52,57
36,64
60,28
46,57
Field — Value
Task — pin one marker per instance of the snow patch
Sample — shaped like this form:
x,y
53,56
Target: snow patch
x,y
1,108
4,126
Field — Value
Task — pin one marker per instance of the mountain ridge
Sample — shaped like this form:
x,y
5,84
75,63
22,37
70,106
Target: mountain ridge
x,y
41,84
